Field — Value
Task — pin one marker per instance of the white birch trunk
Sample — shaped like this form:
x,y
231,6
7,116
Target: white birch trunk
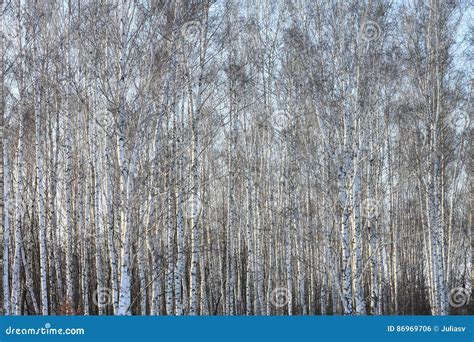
x,y
41,197
179,268
6,192
344,185
17,258
169,249
142,244
250,257
125,281
358,281
111,226
6,227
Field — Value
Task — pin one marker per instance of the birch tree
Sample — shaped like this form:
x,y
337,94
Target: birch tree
x,y
235,158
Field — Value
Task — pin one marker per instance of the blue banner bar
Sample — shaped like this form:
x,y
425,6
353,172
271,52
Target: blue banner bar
x,y
237,328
